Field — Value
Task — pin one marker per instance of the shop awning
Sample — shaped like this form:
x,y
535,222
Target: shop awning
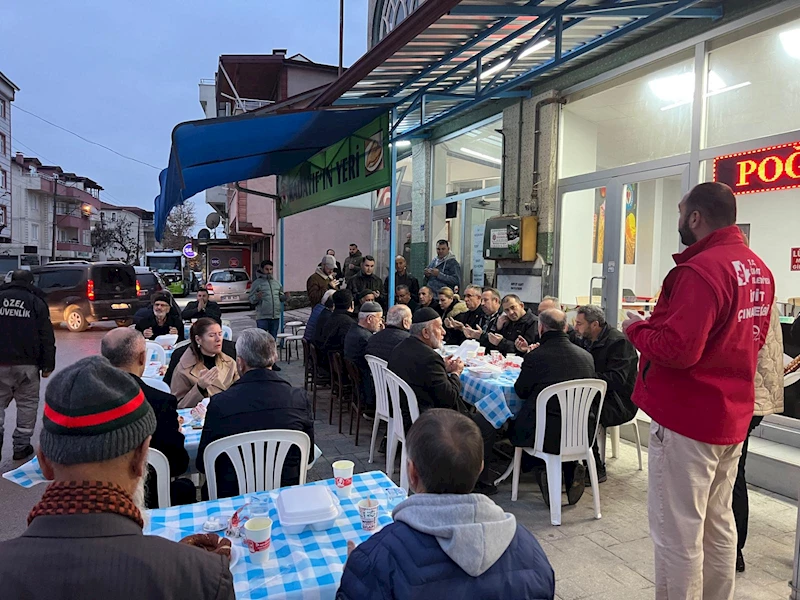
x,y
214,152
449,56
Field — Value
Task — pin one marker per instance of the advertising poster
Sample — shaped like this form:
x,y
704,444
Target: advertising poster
x,y
599,237
630,196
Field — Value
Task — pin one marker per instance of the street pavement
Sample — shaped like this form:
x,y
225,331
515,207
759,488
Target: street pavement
x,y
605,559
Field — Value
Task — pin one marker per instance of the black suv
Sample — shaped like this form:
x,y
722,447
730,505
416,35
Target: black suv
x,y
149,283
80,292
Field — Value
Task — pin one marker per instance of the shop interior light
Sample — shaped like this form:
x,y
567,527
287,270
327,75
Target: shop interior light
x,y
480,155
502,65
679,89
404,144
790,40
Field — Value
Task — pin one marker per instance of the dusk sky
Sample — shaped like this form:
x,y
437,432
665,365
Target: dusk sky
x,y
123,73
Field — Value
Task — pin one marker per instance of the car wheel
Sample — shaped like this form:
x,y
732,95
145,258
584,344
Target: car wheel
x,y
75,319
124,322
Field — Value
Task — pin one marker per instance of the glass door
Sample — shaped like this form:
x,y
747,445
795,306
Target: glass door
x,y
475,269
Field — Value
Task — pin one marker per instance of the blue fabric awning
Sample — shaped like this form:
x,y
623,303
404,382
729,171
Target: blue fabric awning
x,y
214,152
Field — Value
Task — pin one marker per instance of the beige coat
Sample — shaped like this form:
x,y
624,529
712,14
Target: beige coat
x,y
184,379
769,373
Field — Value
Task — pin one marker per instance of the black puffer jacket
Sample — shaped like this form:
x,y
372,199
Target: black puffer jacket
x,y
25,323
527,326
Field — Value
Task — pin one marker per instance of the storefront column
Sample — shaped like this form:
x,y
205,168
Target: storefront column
x,y
421,167
530,186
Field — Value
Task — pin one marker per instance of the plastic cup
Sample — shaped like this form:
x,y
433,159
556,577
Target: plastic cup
x,y
368,511
258,537
259,507
480,351
343,476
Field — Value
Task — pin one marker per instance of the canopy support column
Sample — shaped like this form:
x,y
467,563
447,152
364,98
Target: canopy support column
x,y
392,218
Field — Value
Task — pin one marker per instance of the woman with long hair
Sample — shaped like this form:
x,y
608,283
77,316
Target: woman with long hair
x,y
204,370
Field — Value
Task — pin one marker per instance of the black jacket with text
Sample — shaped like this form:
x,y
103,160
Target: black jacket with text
x,y
25,323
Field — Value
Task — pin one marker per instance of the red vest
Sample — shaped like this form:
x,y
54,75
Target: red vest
x,y
699,349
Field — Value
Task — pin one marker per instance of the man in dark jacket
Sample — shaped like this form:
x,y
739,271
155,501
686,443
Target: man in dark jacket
x,y
202,307
475,317
515,322
84,537
352,264
163,320
325,305
28,351
402,277
260,399
398,322
616,363
445,541
492,309
339,323
370,320
444,270
125,349
367,280
403,295
434,380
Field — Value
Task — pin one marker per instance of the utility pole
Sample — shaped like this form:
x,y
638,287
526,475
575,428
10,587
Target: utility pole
x,y
55,220
341,37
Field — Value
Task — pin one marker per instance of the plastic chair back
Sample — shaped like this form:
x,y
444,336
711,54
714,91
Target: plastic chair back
x,y
377,367
257,458
396,385
575,399
160,464
157,384
156,352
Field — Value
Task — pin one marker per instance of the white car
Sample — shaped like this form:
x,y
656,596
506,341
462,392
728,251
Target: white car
x,y
229,286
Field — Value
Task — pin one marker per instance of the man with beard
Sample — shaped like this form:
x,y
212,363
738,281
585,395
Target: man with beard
x,y
490,305
162,320
84,537
367,281
321,280
352,264
699,352
514,330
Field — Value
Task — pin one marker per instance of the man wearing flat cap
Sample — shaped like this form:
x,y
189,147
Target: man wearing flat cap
x,y
370,321
322,280
435,380
84,537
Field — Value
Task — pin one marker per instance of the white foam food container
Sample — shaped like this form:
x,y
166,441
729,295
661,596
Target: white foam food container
x,y
311,506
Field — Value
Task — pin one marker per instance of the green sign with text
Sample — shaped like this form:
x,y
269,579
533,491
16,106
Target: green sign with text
x,y
358,164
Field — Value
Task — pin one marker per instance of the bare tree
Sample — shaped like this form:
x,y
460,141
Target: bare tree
x,y
117,236
180,225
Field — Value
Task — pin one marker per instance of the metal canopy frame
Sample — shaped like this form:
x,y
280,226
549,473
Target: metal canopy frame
x,y
480,50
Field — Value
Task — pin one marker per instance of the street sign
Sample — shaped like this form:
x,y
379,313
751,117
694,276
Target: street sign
x,y
215,262
188,252
233,262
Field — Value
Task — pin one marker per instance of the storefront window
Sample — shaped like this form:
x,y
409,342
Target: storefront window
x,y
468,162
446,223
404,177
753,87
644,119
380,241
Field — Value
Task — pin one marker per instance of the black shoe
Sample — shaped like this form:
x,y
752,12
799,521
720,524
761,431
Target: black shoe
x,y
276,368
487,489
602,476
739,562
23,453
577,485
544,487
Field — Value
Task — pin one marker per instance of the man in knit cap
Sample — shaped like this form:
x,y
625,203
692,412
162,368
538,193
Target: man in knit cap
x,y
322,280
84,537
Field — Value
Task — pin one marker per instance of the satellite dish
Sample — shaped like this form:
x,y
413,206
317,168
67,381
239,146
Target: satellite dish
x,y
212,220
204,234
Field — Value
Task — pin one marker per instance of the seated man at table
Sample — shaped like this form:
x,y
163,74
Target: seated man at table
x,y
259,400
370,320
616,363
434,380
84,537
515,322
202,307
475,317
125,349
403,294
398,322
491,307
445,541
325,306
162,320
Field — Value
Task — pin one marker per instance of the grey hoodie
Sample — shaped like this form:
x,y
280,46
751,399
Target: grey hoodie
x,y
471,529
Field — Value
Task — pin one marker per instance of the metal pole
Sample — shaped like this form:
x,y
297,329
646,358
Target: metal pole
x,y
392,220
55,221
281,263
795,583
341,37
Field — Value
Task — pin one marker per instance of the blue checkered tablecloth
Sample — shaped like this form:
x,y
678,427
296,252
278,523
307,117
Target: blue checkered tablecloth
x,y
494,398
305,566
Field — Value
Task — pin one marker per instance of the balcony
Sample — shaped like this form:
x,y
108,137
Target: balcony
x,y
73,245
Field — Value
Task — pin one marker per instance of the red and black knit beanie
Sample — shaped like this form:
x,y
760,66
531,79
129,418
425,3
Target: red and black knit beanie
x,y
94,412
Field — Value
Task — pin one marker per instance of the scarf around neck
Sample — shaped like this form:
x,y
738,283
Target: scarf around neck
x,y
86,498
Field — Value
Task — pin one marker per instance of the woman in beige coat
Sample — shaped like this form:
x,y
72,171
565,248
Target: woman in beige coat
x,y
204,370
769,401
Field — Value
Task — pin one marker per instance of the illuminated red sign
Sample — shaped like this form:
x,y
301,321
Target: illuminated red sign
x,y
762,170
795,259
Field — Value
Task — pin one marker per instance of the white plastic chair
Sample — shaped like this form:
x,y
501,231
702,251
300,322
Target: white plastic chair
x,y
257,458
377,367
156,352
185,342
396,385
160,464
614,433
157,384
227,333
575,398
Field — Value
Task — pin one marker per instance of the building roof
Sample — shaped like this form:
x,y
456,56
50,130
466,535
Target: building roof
x,y
8,82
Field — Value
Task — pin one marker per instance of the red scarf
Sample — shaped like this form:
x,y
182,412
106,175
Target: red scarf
x,y
85,498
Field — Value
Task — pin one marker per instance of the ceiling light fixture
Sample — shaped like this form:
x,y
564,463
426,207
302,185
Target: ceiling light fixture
x,y
485,157
504,63
790,40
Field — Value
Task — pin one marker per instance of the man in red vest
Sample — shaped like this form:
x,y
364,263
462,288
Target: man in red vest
x,y
698,360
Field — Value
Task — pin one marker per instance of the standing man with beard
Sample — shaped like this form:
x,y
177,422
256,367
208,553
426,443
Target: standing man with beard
x,y
352,264
84,537
322,280
699,351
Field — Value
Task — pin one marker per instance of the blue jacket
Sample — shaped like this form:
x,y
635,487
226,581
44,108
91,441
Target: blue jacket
x,y
449,275
402,563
